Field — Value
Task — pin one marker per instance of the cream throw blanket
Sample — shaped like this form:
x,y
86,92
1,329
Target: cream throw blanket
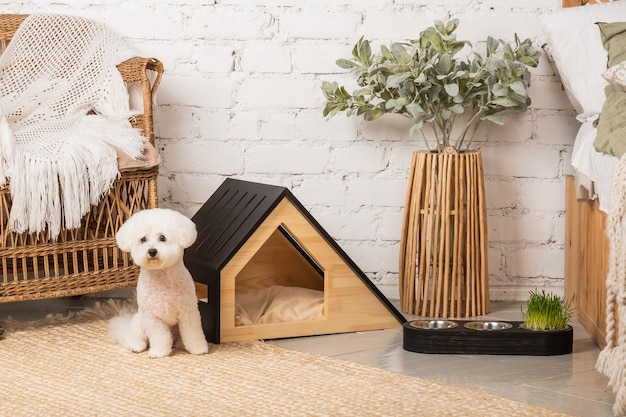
x,y
612,360
62,103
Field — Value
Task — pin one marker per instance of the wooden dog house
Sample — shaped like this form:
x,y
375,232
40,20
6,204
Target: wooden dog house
x,y
255,236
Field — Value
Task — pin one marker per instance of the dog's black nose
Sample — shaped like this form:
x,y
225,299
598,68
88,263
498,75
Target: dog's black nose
x,y
152,252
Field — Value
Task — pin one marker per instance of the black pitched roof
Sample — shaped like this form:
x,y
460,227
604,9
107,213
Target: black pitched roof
x,y
229,217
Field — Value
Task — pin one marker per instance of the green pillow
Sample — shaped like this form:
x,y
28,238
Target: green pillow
x,y
611,137
614,41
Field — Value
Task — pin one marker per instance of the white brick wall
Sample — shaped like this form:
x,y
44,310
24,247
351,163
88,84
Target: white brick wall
x,y
241,98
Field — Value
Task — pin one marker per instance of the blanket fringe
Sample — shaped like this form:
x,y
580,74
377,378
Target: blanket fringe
x,y
82,177
612,359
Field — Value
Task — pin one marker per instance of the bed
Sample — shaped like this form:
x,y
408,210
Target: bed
x,y
591,63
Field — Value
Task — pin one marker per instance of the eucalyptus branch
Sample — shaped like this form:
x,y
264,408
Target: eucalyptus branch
x,y
439,123
475,122
425,140
433,76
473,134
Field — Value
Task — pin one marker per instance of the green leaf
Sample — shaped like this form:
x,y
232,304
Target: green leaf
x,y
328,88
362,92
518,87
390,104
346,63
439,26
451,26
457,109
393,81
452,89
460,74
430,37
400,54
386,53
531,62
416,127
505,102
492,45
331,109
457,46
445,64
355,48
414,109
364,51
499,90
373,114
495,118
400,103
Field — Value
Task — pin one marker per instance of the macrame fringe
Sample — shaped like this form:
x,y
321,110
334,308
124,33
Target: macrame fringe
x,y
612,359
617,381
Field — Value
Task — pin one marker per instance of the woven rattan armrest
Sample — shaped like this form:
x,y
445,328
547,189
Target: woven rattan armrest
x,y
135,71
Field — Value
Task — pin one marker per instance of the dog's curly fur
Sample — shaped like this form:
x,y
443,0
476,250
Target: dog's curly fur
x,y
166,299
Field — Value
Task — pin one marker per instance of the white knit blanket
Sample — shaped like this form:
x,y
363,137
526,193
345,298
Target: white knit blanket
x,y
612,360
62,103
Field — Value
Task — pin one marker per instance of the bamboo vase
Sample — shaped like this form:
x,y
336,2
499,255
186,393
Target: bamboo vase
x,y
443,246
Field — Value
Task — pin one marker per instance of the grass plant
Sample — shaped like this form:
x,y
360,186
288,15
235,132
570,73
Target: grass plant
x,y
546,311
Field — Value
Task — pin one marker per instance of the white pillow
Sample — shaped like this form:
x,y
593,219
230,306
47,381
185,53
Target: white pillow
x,y
576,47
616,75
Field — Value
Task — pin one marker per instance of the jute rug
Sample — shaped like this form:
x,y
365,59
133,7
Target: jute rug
x,y
68,367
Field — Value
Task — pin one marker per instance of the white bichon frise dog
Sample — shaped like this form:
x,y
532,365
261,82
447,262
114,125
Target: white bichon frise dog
x,y
166,299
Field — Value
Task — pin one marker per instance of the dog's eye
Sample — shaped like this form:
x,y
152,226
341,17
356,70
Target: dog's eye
x,y
143,240
162,238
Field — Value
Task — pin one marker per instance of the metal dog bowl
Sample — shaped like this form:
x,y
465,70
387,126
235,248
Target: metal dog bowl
x,y
488,325
433,324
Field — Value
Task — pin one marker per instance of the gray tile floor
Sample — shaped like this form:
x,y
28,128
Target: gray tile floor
x,y
567,383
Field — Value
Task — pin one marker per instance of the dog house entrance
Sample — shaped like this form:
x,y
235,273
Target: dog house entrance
x,y
280,283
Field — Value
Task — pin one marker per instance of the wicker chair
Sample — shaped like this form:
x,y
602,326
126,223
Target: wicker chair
x,y
83,260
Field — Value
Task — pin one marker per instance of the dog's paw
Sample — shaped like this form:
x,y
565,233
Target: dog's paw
x,y
159,353
198,348
137,347
135,344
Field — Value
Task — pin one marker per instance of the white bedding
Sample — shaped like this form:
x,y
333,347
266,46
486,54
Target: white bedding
x,y
594,170
580,59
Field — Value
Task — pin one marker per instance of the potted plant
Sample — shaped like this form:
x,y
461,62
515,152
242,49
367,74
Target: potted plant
x,y
447,85
546,311
434,80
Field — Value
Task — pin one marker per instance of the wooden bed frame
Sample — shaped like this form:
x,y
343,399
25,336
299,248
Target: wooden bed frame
x,y
586,253
586,261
